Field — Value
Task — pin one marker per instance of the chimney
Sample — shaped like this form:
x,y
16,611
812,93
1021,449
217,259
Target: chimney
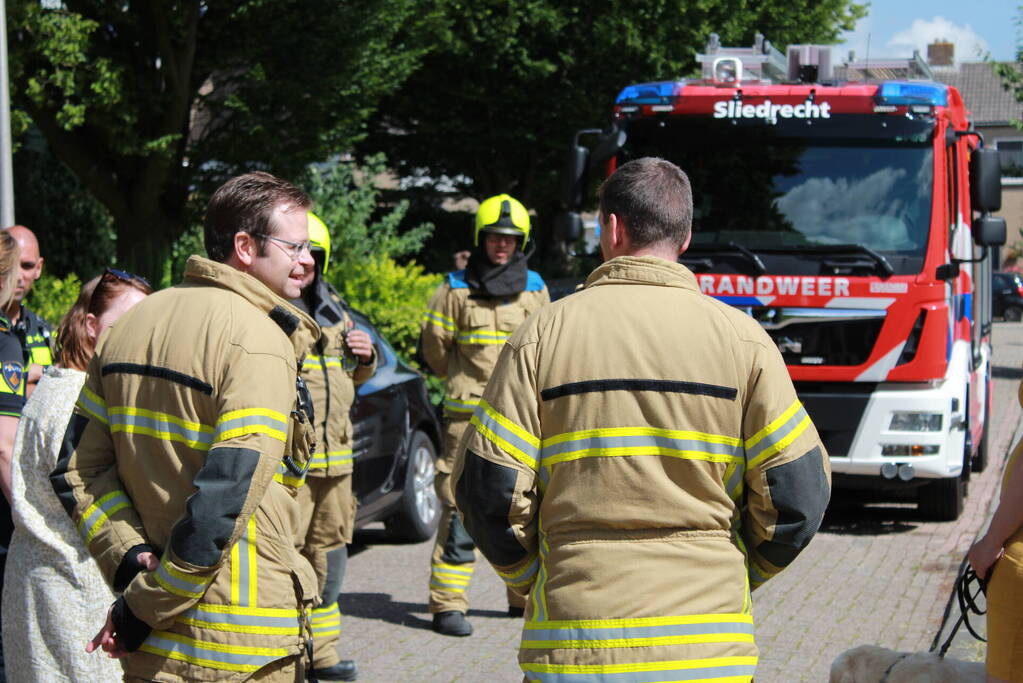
x,y
940,53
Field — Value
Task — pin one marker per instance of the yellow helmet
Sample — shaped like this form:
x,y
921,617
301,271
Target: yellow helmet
x,y
504,215
319,238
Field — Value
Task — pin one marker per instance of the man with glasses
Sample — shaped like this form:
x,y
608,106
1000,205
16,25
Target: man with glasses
x,y
192,404
35,334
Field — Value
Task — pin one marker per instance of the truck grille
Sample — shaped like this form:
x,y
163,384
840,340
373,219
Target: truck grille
x,y
822,336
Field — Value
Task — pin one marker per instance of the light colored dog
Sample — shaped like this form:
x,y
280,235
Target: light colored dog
x,y
873,664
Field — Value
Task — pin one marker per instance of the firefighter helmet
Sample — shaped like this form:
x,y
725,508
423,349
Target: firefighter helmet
x,y
505,215
319,238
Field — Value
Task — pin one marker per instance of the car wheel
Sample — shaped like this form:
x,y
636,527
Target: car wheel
x,y
419,509
942,499
1013,314
979,462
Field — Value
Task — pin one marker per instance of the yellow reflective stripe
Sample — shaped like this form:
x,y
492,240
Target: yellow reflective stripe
x,y
439,319
635,667
93,404
638,621
653,641
483,337
253,569
319,362
99,512
288,479
252,421
781,443
212,655
241,628
40,355
324,460
638,441
161,426
506,435
460,406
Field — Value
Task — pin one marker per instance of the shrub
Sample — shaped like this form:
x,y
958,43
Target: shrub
x,y
51,297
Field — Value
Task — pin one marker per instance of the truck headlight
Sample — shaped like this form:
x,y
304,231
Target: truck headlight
x,y
915,422
893,450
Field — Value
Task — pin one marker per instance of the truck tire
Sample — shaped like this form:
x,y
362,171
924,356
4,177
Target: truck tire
x,y
942,499
419,509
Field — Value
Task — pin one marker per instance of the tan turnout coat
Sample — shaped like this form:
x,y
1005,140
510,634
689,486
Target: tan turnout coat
x,y
187,413
658,464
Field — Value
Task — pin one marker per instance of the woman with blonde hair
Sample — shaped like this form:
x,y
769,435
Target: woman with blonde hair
x,y
54,597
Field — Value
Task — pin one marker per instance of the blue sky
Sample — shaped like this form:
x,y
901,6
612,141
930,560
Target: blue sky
x,y
896,27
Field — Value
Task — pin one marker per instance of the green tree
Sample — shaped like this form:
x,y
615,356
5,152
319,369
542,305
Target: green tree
x,y
370,263
151,104
1011,73
495,105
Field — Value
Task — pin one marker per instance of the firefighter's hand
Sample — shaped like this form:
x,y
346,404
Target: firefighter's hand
x,y
107,639
148,561
361,345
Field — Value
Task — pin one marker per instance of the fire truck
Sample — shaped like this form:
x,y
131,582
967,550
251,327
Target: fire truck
x,y
846,208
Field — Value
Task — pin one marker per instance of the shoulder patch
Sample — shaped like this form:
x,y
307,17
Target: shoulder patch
x,y
284,319
534,283
456,279
12,372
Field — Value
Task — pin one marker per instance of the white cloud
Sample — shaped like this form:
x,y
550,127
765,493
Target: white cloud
x,y
968,45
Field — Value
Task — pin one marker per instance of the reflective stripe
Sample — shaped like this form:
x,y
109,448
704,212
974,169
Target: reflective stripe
x,y
211,655
322,461
285,476
720,669
757,574
733,479
450,577
641,632
536,595
93,404
160,426
483,337
179,583
785,429
319,362
228,618
523,576
437,318
40,355
460,406
251,421
97,514
628,441
506,435
326,621
244,569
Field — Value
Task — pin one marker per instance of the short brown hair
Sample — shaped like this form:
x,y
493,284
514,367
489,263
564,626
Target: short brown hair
x,y
653,198
74,345
246,204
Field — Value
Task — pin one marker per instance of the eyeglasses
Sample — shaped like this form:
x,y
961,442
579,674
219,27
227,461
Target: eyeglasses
x,y
292,249
111,274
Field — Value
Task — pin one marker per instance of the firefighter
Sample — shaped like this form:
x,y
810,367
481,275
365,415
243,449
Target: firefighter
x,y
342,359
640,461
467,321
191,404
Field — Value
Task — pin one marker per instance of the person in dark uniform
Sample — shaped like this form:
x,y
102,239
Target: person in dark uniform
x,y
12,394
34,333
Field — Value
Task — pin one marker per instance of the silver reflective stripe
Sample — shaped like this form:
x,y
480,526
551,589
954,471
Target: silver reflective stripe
x,y
212,655
486,419
638,442
595,674
777,435
248,421
287,620
160,428
188,587
618,633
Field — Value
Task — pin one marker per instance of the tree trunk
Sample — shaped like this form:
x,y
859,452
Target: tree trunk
x,y
144,245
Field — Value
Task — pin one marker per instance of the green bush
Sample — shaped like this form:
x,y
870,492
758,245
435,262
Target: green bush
x,y
51,297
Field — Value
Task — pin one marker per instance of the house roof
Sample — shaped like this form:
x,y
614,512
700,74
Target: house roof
x,y
988,102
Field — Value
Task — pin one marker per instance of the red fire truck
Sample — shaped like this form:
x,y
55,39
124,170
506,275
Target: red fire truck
x,y
847,211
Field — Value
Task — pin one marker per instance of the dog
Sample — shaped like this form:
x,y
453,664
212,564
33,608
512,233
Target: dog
x,y
873,664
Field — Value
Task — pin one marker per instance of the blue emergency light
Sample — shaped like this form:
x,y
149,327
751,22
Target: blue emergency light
x,y
901,92
650,93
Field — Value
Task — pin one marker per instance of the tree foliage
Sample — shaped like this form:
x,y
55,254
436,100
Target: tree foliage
x,y
153,103
1011,73
496,103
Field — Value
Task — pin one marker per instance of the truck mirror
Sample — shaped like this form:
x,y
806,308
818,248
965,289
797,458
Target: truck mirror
x,y
608,145
985,180
989,231
568,227
574,178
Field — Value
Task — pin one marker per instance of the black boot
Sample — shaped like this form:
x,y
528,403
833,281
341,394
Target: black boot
x,y
451,624
515,611
342,671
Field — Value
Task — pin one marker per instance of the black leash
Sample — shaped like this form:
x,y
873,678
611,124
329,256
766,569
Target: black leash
x,y
966,595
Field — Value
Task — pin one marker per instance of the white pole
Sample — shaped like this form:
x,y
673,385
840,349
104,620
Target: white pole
x,y
6,166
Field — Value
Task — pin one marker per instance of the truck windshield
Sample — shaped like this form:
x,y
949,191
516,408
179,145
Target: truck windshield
x,y
795,193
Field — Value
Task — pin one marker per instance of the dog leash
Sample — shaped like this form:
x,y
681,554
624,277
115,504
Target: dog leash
x,y
967,600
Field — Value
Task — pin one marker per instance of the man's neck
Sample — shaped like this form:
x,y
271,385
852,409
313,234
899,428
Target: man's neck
x,y
13,312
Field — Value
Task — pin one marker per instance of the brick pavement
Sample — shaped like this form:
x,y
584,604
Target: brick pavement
x,y
876,574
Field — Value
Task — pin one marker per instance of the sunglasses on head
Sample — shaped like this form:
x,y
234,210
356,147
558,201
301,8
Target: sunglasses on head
x,y
111,274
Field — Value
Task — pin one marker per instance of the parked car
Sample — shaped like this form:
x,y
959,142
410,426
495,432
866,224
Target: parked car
x,y
396,437
1007,296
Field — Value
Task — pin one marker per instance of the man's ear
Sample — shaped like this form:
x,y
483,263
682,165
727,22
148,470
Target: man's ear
x,y
619,237
39,267
685,245
245,248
